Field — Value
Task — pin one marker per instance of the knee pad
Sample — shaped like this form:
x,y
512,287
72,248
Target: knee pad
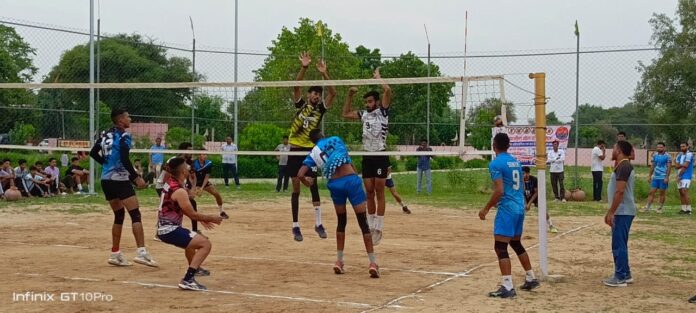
x,y
342,221
119,216
517,246
314,189
501,250
362,221
135,215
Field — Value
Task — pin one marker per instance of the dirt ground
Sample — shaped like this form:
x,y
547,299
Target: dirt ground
x,y
435,260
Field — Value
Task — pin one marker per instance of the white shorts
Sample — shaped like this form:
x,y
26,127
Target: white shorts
x,y
684,184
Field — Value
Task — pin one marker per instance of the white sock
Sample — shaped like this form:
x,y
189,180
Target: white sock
x,y
79,187
530,275
379,224
220,207
371,220
317,216
401,204
683,207
339,255
688,207
507,282
549,222
295,224
141,250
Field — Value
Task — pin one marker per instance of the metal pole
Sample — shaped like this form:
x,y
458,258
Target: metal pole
x,y
236,42
427,122
97,111
577,100
540,135
92,165
193,90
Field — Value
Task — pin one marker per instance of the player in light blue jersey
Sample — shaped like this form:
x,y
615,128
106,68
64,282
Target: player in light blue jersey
x,y
685,171
660,169
508,197
331,155
112,151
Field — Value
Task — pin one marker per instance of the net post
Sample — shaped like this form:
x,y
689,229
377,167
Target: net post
x,y
92,133
462,114
540,132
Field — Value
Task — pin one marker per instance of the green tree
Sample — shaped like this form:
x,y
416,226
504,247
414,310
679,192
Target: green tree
x,y
409,102
124,58
480,121
176,135
667,91
210,116
551,119
276,104
22,133
16,66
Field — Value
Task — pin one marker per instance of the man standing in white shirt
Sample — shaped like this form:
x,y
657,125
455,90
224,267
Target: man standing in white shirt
x,y
283,175
598,155
556,158
229,162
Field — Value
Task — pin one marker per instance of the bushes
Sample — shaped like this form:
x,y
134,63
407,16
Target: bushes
x,y
22,133
177,135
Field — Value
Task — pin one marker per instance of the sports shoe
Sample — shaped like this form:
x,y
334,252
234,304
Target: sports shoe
x,y
553,229
615,282
405,209
144,258
683,212
119,259
659,210
191,284
629,279
645,210
376,236
563,200
297,233
692,299
338,268
502,292
529,285
202,272
688,212
373,270
224,215
320,231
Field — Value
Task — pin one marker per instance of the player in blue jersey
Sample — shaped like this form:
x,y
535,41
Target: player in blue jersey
x,y
202,167
111,150
508,197
331,155
660,169
685,171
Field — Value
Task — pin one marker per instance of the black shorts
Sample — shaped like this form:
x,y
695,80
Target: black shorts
x,y
295,163
180,237
375,166
117,189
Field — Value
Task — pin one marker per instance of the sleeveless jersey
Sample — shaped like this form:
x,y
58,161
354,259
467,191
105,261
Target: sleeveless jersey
x,y
169,216
375,129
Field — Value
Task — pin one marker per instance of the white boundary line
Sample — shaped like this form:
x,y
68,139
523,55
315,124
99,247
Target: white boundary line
x,y
228,292
393,302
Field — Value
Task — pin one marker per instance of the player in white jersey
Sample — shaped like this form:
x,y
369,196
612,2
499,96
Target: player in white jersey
x,y
375,119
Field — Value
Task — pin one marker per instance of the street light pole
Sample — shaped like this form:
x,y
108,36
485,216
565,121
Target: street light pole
x,y
427,132
236,42
193,90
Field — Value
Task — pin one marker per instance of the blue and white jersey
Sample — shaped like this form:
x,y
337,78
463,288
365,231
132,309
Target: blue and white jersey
x,y
328,154
682,158
113,142
660,164
507,168
202,169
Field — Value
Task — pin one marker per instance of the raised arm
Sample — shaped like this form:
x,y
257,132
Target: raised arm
x,y
386,90
305,59
348,112
331,90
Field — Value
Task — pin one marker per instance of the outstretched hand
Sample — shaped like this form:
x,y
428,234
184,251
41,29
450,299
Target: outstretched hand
x,y
376,74
305,59
321,66
352,91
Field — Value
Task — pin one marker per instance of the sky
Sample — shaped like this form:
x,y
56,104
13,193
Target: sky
x,y
392,26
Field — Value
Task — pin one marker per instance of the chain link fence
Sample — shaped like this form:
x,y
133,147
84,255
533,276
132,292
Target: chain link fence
x,y
608,80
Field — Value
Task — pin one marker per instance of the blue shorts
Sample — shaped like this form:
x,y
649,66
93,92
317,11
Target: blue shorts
x,y
508,224
658,183
389,183
180,237
347,187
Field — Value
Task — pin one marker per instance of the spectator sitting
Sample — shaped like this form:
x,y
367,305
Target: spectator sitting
x,y
53,173
7,176
148,177
75,175
40,182
20,174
